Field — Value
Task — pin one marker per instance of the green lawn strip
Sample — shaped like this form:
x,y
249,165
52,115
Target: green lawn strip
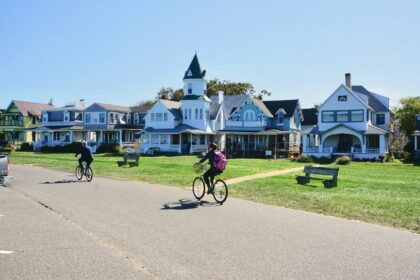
x,y
386,194
171,170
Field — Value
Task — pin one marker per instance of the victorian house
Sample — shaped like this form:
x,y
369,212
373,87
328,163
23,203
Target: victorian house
x,y
352,121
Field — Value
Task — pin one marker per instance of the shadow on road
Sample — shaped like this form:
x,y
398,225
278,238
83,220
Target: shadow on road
x,y
62,182
186,204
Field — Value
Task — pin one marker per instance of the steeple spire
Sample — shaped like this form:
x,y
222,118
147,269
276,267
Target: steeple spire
x,y
194,70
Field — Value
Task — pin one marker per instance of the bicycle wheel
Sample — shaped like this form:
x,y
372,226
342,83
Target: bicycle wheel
x,y
89,174
220,191
198,188
79,173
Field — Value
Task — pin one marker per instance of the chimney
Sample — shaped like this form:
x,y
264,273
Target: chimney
x,y
220,99
348,80
50,102
82,102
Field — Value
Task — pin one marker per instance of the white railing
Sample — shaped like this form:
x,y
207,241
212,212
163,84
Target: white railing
x,y
372,150
312,149
246,123
174,147
199,147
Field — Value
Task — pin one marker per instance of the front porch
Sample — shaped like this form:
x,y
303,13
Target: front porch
x,y
355,145
261,145
180,143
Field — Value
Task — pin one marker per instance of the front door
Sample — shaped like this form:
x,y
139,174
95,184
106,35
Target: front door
x,y
345,141
186,143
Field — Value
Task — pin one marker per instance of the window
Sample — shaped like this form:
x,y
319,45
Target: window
x,y
201,114
117,117
356,116
327,116
189,114
159,117
165,117
202,139
155,139
153,117
342,98
342,116
380,119
45,117
175,139
33,120
249,115
101,117
207,114
111,118
196,113
145,139
185,114
66,116
367,115
88,118
164,139
128,118
189,88
136,118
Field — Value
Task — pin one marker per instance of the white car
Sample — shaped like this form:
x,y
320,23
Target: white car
x,y
5,179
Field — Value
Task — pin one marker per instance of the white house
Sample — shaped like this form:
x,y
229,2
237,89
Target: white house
x,y
352,121
186,126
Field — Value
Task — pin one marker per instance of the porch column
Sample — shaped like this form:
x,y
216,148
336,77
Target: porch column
x,y
382,144
415,142
71,136
364,149
304,139
121,138
180,143
191,143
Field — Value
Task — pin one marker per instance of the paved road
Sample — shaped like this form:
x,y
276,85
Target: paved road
x,y
109,229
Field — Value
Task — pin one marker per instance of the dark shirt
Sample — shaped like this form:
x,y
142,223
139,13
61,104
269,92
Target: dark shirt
x,y
210,156
86,153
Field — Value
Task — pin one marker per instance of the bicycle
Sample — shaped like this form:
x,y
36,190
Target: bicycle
x,y
80,171
219,187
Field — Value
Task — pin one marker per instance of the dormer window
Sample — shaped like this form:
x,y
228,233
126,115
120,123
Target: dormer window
x,y
189,88
45,117
380,119
66,116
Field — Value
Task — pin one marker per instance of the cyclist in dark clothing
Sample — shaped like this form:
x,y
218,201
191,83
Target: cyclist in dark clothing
x,y
212,172
86,155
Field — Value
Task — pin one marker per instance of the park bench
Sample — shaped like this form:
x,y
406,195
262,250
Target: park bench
x,y
309,169
134,157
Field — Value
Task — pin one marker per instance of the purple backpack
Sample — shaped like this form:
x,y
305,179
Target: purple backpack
x,y
220,161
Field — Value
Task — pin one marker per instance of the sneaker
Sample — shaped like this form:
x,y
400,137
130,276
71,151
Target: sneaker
x,y
209,190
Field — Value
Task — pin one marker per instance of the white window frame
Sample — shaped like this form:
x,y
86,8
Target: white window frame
x,y
86,118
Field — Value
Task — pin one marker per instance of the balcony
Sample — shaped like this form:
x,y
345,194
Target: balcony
x,y
246,123
11,123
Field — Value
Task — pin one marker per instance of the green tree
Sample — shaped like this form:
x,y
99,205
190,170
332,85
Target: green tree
x,y
229,88
406,112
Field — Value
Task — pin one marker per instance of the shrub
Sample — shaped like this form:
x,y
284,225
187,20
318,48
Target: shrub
x,y
68,148
109,148
343,160
389,157
303,159
26,147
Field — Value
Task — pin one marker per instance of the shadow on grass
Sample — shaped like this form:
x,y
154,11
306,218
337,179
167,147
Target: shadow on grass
x,y
187,204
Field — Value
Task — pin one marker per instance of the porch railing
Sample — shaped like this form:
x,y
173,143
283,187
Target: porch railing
x,y
372,150
246,123
11,123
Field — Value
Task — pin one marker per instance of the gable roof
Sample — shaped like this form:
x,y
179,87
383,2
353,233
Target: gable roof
x,y
310,116
143,108
288,105
260,104
111,107
30,108
173,107
194,70
373,102
230,102
354,94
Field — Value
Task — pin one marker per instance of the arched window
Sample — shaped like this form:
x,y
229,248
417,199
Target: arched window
x,y
249,115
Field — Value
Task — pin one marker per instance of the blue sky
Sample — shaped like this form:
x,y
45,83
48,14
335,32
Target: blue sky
x,y
121,52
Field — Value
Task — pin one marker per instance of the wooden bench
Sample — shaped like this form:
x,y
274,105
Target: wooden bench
x,y
134,157
309,169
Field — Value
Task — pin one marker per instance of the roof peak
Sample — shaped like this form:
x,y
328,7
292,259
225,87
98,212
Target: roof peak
x,y
194,70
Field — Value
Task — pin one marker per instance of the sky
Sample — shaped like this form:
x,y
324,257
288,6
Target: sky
x,y
122,52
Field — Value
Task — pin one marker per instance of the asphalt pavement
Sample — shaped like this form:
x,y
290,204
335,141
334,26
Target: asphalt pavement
x,y
55,227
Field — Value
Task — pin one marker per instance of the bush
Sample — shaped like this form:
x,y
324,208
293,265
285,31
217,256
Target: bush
x,y
109,148
303,159
343,160
68,148
26,147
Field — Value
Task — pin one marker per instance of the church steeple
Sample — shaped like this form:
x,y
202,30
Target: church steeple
x,y
194,70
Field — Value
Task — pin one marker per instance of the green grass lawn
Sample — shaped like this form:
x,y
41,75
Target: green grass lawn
x,y
386,194
172,170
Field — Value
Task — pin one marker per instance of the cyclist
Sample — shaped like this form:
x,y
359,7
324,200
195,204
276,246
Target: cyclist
x,y
213,171
86,155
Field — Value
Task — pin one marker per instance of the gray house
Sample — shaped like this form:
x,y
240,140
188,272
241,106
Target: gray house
x,y
106,123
